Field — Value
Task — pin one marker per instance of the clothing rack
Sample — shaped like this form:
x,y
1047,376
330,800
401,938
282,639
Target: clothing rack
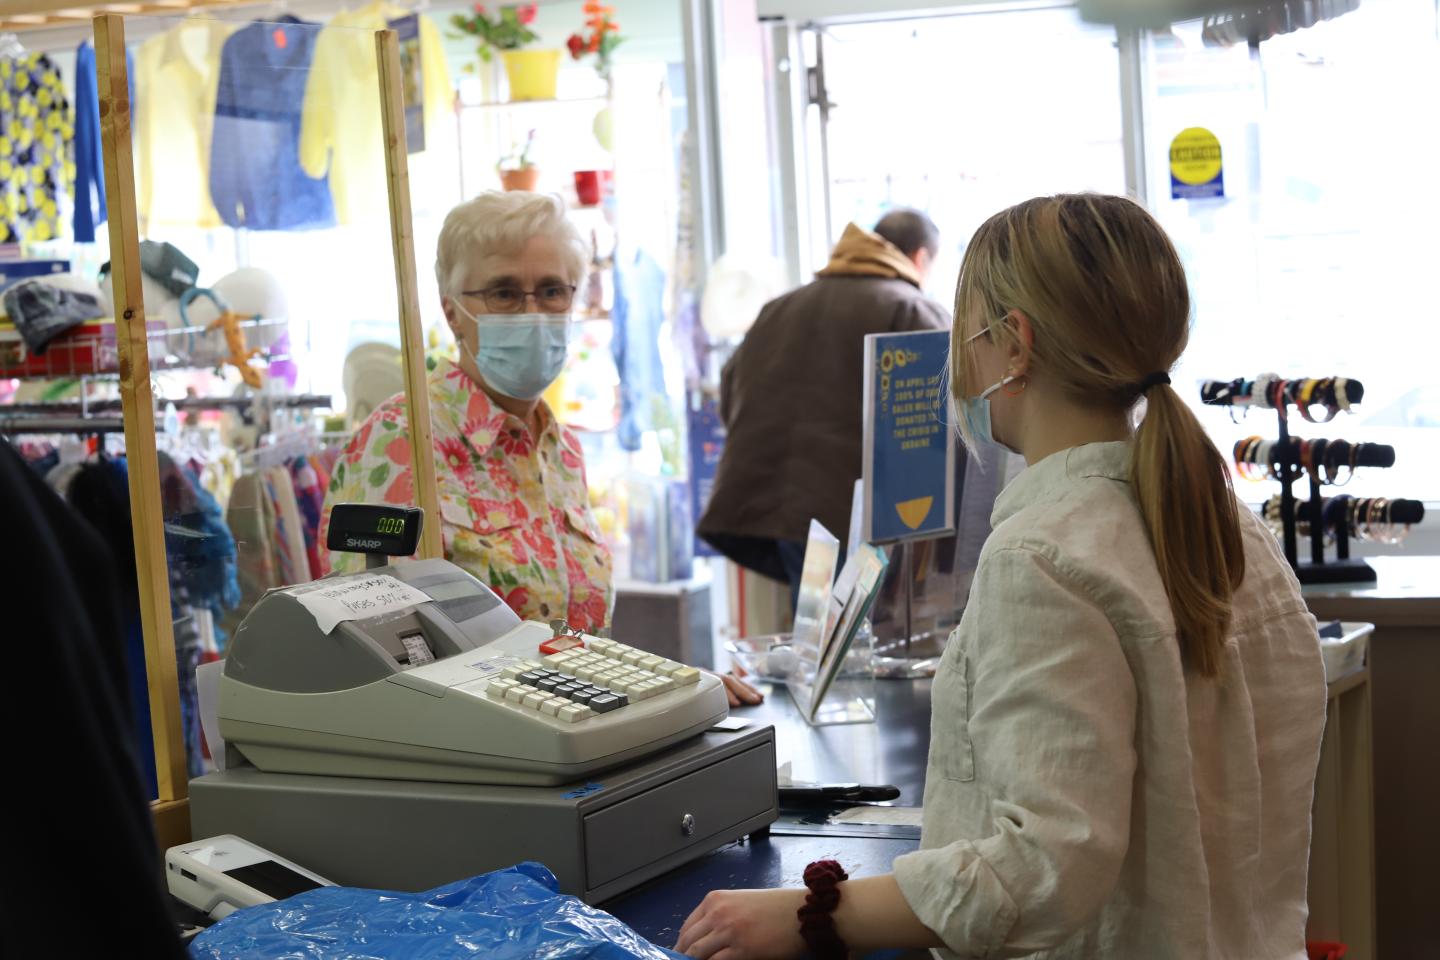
x,y
73,416
280,452
303,401
44,424
1285,458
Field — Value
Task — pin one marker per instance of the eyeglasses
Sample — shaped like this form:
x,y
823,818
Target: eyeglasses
x,y
982,332
549,297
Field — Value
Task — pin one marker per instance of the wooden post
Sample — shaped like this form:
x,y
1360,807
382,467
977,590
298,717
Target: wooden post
x,y
412,341
138,404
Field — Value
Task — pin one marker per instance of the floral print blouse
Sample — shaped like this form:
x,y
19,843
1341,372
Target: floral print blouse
x,y
515,509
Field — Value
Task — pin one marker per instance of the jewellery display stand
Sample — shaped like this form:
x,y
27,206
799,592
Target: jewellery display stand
x,y
1288,456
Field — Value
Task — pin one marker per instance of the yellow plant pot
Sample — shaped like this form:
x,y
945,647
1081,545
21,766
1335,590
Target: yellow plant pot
x,y
532,73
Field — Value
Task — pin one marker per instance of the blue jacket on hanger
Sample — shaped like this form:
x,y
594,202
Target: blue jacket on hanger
x,y
89,162
255,175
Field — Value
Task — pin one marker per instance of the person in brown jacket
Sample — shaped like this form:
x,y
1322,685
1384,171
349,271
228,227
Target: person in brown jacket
x,y
791,396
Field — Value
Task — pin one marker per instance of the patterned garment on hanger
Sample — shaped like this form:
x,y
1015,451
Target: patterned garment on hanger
x,y
37,139
310,497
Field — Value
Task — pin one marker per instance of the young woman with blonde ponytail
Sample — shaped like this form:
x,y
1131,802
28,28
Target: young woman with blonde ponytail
x,y
1127,721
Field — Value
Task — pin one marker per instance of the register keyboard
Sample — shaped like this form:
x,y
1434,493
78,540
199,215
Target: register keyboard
x,y
577,684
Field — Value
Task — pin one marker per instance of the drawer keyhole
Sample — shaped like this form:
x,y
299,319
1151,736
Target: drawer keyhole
x,y
687,825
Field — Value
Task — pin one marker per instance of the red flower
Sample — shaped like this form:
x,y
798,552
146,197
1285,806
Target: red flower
x,y
479,9
362,438
517,547
402,489
456,456
503,481
576,43
477,405
398,451
498,513
517,599
516,442
543,548
526,14
587,614
571,461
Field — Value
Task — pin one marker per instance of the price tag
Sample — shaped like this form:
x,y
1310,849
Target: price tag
x,y
357,597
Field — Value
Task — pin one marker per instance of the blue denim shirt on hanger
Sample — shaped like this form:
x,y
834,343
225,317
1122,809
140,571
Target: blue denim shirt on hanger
x,y
255,175
89,161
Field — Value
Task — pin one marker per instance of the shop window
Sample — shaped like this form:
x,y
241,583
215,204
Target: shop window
x,y
1320,257
957,116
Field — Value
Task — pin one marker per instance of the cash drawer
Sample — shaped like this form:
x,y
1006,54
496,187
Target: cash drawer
x,y
683,813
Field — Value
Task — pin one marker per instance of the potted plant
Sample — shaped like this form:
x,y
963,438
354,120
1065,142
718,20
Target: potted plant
x,y
517,171
599,38
532,73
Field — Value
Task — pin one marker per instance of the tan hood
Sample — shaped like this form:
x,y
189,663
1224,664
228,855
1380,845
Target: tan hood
x,y
861,253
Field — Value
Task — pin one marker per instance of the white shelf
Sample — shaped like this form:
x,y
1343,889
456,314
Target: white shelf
x,y
530,104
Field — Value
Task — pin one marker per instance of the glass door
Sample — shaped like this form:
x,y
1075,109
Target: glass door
x,y
960,116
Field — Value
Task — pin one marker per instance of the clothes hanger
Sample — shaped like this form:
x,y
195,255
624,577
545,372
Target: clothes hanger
x,y
280,13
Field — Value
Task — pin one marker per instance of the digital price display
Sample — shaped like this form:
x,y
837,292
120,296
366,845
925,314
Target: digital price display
x,y
366,528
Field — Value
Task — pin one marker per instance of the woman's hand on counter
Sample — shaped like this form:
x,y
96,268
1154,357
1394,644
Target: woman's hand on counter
x,y
764,924
741,694
744,925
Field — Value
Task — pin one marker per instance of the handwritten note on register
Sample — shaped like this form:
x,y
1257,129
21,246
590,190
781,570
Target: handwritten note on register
x,y
356,597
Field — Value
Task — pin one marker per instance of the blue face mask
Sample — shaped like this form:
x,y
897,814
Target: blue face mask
x,y
975,411
519,355
976,414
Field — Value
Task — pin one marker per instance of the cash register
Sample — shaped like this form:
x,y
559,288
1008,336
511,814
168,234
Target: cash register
x,y
402,728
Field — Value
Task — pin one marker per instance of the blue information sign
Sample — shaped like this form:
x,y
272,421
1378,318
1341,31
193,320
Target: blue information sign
x,y
908,473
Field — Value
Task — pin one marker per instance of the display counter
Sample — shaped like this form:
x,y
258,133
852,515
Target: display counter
x,y
1404,605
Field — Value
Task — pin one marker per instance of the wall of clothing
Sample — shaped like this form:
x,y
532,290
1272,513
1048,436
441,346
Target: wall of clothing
x,y
270,125
263,125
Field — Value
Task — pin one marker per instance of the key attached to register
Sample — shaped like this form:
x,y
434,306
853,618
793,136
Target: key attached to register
x,y
414,670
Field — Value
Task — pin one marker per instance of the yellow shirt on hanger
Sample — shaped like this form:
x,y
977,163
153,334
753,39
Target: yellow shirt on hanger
x,y
176,77
340,129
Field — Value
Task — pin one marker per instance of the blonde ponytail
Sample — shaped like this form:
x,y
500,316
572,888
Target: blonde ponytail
x,y
1183,488
1107,299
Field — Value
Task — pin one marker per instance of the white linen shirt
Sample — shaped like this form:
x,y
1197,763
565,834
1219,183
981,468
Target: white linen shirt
x,y
1088,796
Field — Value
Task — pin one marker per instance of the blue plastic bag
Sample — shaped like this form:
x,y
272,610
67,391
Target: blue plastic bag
x,y
506,915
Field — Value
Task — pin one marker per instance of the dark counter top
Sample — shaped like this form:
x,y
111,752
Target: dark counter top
x,y
892,750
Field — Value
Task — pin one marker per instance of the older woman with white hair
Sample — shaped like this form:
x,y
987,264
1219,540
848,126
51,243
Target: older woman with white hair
x,y
514,505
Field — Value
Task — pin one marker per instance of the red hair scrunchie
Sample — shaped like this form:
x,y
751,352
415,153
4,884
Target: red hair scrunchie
x,y
817,923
